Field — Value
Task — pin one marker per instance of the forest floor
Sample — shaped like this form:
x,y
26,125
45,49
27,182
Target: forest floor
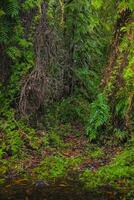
x,y
73,157
72,147
69,153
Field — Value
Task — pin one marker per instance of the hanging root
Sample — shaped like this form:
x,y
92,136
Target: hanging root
x,y
46,82
34,88
33,92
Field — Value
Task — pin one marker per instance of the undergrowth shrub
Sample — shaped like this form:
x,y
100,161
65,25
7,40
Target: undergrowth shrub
x,y
17,58
55,167
99,116
88,81
120,135
70,110
77,109
74,109
18,137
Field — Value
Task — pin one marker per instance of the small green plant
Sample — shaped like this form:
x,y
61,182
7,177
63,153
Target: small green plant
x,y
46,140
99,115
17,136
55,166
55,139
72,109
120,135
94,151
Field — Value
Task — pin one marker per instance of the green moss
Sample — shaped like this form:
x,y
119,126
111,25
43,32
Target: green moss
x,y
121,168
56,166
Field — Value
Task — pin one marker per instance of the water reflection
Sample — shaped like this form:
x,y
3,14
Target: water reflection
x,y
40,190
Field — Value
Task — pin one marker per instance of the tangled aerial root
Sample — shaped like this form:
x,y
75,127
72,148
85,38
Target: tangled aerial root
x,y
48,80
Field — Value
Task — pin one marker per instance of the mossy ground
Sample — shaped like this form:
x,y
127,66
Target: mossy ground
x,y
59,157
118,173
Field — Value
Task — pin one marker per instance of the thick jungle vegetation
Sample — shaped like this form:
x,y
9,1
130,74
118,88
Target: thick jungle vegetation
x,y
67,90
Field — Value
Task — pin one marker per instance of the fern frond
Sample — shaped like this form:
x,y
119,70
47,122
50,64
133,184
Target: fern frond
x,y
99,115
13,53
3,33
12,8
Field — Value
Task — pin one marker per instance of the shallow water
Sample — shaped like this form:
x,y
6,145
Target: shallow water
x,y
39,190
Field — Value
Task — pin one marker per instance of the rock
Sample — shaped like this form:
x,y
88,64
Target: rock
x,y
41,184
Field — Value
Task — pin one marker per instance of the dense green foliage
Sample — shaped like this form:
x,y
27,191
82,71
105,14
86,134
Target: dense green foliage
x,y
19,53
67,67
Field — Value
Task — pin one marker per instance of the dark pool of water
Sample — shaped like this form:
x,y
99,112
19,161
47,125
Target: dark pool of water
x,y
24,190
